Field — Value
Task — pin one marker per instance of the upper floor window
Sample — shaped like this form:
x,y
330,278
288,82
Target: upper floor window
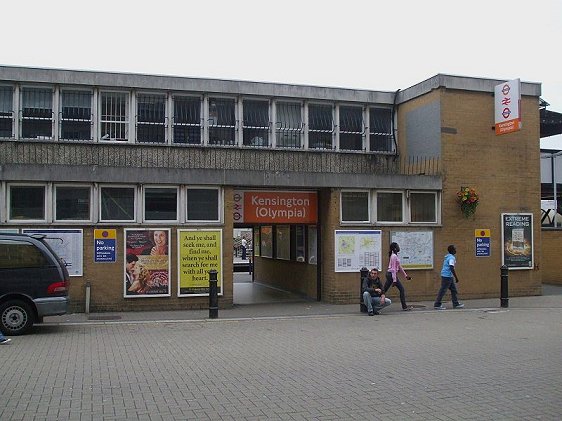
x,y
351,128
6,112
187,120
222,121
320,126
380,129
114,116
36,113
151,118
75,115
255,125
288,125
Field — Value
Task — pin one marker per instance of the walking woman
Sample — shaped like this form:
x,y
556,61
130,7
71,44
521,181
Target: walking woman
x,y
392,275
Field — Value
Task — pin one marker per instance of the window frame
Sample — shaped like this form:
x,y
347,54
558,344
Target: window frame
x,y
403,205
369,206
45,202
220,205
360,134
100,189
125,123
90,203
373,133
163,187
257,128
210,126
315,130
283,127
409,194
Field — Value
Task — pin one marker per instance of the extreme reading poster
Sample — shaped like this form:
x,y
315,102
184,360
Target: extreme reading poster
x,y
517,239
199,252
147,263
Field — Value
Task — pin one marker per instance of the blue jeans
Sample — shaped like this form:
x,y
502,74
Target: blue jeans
x,y
447,283
374,303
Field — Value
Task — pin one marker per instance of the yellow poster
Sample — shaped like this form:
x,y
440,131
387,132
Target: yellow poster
x,y
199,252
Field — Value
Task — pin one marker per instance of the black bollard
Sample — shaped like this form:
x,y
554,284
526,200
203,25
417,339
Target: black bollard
x,y
364,275
504,293
213,295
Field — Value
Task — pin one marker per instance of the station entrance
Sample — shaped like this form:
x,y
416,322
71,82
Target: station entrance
x,y
275,239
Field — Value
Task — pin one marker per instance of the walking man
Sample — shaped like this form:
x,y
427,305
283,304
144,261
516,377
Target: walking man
x,y
447,281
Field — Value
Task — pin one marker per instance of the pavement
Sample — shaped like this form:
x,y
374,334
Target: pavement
x,y
292,361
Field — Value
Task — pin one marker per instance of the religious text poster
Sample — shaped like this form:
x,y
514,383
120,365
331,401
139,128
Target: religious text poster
x,y
199,252
147,263
357,249
517,240
67,244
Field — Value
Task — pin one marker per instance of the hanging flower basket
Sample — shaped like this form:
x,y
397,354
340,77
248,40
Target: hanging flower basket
x,y
468,201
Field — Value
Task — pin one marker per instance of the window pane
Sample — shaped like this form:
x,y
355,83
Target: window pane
x,y
6,112
283,242
36,113
320,126
351,128
354,206
222,121
117,204
151,118
72,203
300,243
187,120
18,254
160,204
255,123
380,129
389,207
27,202
114,117
76,115
422,207
202,205
288,125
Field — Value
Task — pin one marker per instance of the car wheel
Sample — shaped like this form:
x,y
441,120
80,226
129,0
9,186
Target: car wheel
x,y
16,317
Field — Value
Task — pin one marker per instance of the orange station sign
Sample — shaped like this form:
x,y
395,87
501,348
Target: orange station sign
x,y
275,207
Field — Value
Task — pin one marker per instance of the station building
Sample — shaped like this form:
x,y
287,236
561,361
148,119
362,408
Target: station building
x,y
140,181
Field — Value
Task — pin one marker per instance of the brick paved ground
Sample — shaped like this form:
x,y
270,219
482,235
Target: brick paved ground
x,y
422,365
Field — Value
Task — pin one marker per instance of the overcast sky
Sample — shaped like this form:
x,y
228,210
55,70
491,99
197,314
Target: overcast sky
x,y
354,44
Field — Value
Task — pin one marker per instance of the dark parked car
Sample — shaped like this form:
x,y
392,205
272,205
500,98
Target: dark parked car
x,y
33,282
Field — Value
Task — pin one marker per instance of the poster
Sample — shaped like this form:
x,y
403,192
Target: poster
x,y
147,263
517,240
67,244
416,248
357,249
199,252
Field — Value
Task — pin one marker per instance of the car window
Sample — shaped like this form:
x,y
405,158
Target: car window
x,y
19,254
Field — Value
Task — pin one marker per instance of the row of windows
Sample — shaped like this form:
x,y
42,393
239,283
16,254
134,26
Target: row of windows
x,y
389,207
70,114
45,203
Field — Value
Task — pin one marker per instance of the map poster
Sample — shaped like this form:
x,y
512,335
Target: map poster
x,y
517,240
67,244
356,249
416,248
199,252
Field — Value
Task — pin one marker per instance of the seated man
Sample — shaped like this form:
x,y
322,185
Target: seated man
x,y
373,293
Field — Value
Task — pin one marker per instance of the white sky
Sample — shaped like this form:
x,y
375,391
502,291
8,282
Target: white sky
x,y
367,44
